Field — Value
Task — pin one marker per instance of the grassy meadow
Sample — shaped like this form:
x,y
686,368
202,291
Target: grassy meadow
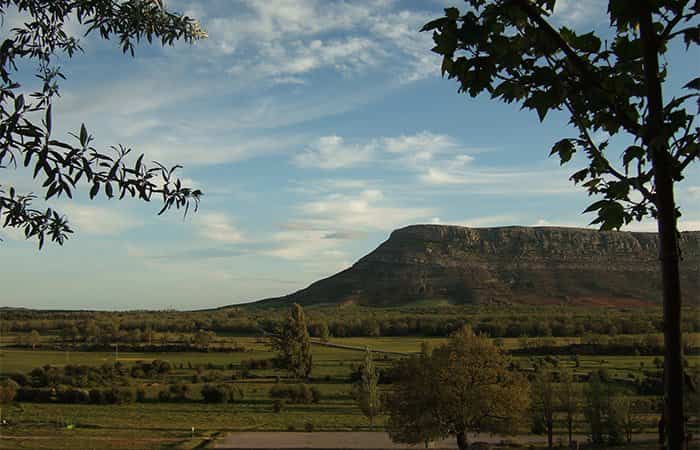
x,y
152,422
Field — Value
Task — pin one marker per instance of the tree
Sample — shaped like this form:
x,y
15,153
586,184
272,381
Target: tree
x,y
26,121
463,386
567,400
324,333
543,400
204,338
34,339
366,389
413,403
626,416
508,49
599,411
292,343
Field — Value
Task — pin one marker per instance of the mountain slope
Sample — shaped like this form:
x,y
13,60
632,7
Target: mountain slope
x,y
507,265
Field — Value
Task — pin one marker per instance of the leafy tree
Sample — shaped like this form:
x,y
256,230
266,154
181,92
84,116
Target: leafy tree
x,y
413,403
568,396
366,389
324,332
626,416
26,121
34,339
292,343
508,49
544,401
599,411
465,387
204,338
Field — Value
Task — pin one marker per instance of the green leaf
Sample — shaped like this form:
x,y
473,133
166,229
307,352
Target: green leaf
x,y
693,84
631,153
565,149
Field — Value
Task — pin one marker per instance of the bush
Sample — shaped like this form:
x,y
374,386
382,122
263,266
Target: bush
x,y
300,393
8,390
220,393
72,395
308,427
97,396
277,406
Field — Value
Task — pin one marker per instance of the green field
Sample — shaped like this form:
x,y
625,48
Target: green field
x,y
152,423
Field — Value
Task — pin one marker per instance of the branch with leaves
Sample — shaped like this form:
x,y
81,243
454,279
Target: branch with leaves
x,y
26,120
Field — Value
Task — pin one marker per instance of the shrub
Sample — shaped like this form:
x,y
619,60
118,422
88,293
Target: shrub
x,y
97,396
72,395
163,396
8,390
308,427
220,393
277,406
300,393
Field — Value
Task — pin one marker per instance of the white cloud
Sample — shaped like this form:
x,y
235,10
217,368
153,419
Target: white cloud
x,y
366,210
412,151
98,220
488,221
218,227
331,152
579,13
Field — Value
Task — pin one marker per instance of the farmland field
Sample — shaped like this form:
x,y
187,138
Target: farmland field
x,y
166,409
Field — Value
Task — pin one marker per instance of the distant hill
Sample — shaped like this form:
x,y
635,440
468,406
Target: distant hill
x,y
506,265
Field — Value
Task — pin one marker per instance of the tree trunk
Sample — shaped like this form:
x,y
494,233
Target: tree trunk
x,y
570,425
462,441
550,442
668,238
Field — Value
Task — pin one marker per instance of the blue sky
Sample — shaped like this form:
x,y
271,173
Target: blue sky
x,y
315,127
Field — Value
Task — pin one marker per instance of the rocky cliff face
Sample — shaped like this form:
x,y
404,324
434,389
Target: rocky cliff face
x,y
508,265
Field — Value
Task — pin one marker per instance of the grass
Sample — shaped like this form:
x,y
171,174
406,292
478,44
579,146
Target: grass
x,y
168,425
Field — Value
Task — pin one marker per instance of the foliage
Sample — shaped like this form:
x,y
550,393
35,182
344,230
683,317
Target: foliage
x,y
568,396
300,393
544,400
465,387
8,391
27,121
221,393
599,411
366,389
291,341
507,49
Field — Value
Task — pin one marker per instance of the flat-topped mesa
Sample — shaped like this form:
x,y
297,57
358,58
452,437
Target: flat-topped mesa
x,y
541,265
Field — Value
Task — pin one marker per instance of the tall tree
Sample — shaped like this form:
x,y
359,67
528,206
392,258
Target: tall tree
x,y
508,49
466,388
366,389
26,120
544,400
568,396
292,343
413,402
34,339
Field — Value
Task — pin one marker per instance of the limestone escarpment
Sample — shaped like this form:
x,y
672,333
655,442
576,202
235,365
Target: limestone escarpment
x,y
541,265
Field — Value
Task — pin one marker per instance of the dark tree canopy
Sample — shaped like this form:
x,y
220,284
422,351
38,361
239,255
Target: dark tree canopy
x,y
26,119
508,50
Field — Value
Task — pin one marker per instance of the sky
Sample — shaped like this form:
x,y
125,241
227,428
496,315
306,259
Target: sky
x,y
315,128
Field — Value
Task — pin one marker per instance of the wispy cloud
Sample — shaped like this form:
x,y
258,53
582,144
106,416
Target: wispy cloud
x,y
218,227
98,220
